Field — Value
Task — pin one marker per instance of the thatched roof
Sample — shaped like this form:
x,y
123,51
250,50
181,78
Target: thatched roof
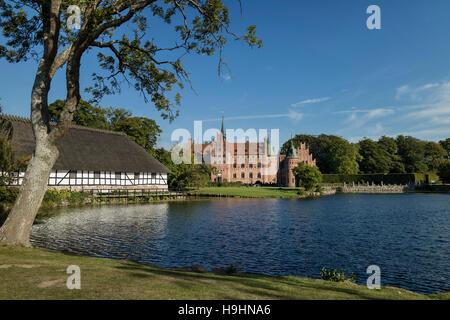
x,y
84,148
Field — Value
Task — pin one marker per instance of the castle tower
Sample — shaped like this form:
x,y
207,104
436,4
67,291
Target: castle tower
x,y
291,163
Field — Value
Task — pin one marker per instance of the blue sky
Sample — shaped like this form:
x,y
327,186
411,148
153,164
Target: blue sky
x,y
320,71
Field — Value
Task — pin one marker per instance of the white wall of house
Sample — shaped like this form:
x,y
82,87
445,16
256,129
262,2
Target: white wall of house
x,y
100,178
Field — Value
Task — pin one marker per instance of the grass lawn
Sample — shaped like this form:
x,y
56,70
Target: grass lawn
x,y
27,273
250,192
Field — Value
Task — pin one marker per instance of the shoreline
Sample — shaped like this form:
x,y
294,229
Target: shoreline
x,y
68,199
34,273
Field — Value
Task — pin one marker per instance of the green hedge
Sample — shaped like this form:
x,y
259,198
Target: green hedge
x,y
397,178
9,195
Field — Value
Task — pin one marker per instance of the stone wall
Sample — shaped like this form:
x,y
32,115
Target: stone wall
x,y
367,188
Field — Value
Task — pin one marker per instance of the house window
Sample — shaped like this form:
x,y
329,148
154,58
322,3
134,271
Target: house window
x,y
136,175
259,164
234,165
153,175
96,174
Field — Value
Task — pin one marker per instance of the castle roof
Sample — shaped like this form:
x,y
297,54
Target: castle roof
x,y
291,152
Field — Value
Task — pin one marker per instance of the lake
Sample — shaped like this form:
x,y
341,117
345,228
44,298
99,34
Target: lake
x,y
406,235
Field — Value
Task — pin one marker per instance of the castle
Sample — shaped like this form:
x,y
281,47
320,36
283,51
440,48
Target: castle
x,y
250,162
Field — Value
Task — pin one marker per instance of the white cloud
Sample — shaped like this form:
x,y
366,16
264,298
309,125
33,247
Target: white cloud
x,y
416,94
424,113
380,112
317,100
359,117
294,115
436,102
401,92
377,129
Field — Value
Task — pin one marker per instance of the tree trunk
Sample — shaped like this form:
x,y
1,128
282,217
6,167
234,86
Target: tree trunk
x,y
17,227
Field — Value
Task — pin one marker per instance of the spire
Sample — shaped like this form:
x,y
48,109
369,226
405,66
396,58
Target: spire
x,y
269,146
222,130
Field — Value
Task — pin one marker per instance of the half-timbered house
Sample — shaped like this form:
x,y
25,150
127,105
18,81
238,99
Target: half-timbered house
x,y
89,158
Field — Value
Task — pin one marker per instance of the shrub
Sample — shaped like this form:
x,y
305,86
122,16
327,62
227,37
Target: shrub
x,y
8,194
57,196
78,197
308,176
336,275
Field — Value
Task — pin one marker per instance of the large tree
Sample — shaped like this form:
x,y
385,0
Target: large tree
x,y
434,155
124,54
412,153
374,158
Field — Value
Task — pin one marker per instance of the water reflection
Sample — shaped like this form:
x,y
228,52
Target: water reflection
x,y
408,236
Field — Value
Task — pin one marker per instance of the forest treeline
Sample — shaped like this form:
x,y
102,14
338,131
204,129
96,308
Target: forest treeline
x,y
403,154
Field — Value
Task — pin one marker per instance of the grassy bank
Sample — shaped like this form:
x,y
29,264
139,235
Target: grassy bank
x,y
40,274
251,192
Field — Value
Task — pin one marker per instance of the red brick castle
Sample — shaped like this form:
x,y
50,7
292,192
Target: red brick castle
x,y
251,162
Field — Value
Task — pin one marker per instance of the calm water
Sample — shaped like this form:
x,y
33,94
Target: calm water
x,y
407,235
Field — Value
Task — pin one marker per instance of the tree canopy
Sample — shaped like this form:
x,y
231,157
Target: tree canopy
x,y
134,55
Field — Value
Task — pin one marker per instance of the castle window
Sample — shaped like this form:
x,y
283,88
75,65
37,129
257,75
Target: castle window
x,y
242,175
251,165
251,175
234,165
259,174
259,164
234,175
